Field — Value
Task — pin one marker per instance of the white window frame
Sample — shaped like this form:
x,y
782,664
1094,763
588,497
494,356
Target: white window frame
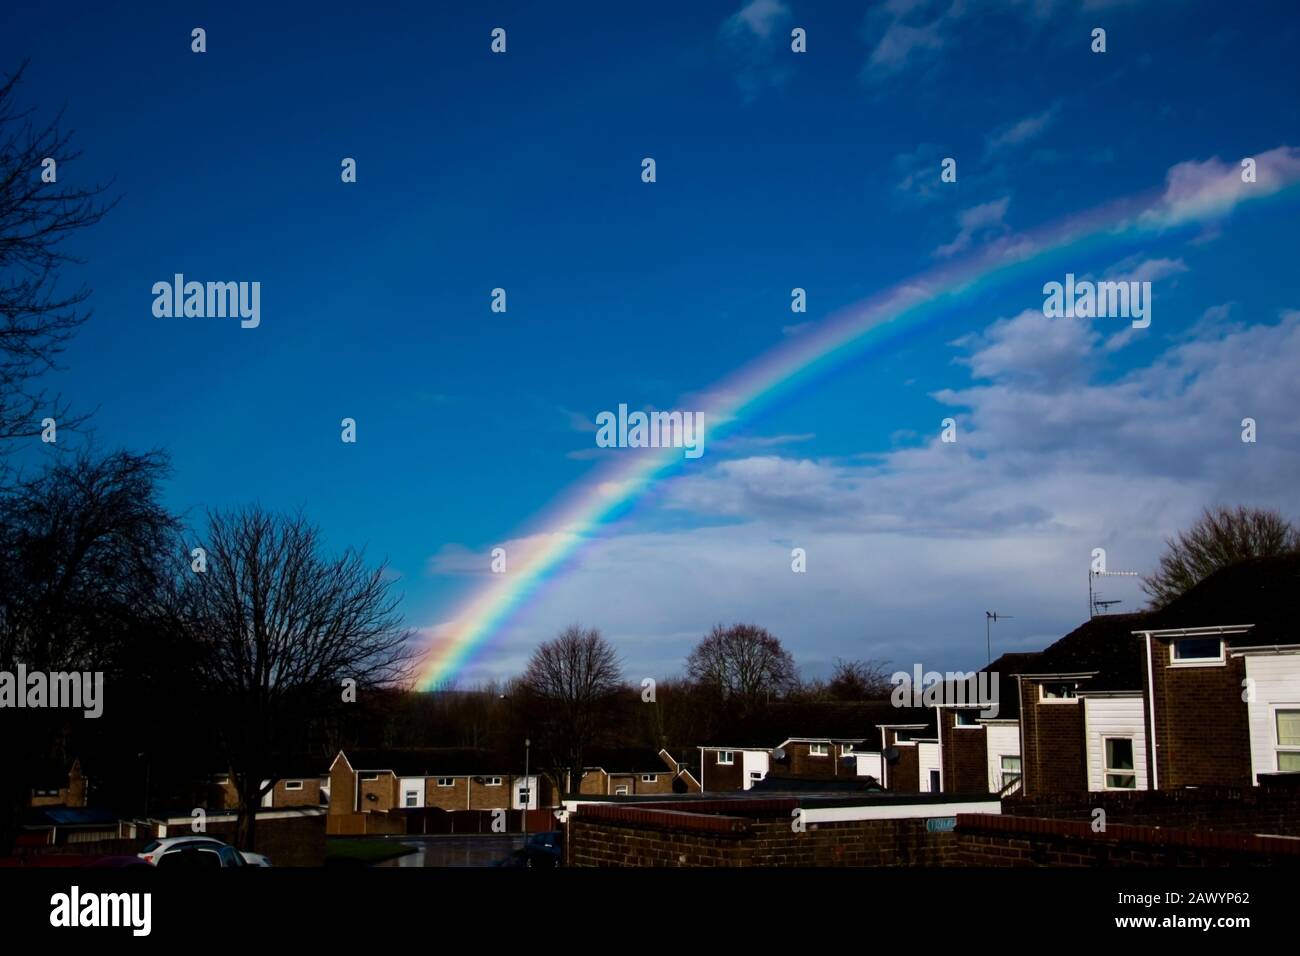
x,y
819,750
1220,660
620,791
1002,766
649,778
726,757
491,781
846,749
449,782
1107,771
1044,699
369,777
410,798
971,715
1278,748
755,775
293,785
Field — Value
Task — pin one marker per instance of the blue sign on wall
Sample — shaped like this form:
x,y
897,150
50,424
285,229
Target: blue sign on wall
x,y
941,824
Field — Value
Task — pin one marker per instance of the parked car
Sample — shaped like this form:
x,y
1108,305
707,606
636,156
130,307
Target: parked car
x,y
201,858
539,850
156,849
117,861
255,859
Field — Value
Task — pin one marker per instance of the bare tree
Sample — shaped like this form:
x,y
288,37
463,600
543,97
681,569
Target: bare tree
x,y
283,627
572,684
36,319
86,567
744,663
859,680
1220,537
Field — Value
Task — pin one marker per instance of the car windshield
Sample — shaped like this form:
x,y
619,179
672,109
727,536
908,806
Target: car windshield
x,y
151,846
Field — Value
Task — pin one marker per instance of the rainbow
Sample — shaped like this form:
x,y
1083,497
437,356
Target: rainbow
x,y
578,515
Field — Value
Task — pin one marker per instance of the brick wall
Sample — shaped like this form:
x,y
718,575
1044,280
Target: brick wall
x,y
904,774
1201,733
964,755
1052,759
723,777
1223,809
800,762
343,783
988,840
607,835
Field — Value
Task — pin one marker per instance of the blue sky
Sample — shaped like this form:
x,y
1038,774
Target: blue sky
x,y
775,170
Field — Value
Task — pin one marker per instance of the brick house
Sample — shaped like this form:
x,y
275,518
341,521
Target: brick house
x,y
1081,711
1223,678
60,786
1205,692
302,785
366,781
728,767
634,771
979,754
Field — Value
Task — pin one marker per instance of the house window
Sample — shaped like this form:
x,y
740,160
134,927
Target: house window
x,y
819,750
369,777
1197,650
1288,741
1010,765
293,785
967,718
755,776
46,793
1119,764
846,749
412,798
1058,691
525,796
726,757
649,778
620,791
446,781
491,781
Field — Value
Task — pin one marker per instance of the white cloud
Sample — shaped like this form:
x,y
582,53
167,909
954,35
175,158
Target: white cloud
x,y
976,221
1210,189
906,548
1024,131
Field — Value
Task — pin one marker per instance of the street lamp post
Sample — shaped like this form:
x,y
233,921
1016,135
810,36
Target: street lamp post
x,y
528,785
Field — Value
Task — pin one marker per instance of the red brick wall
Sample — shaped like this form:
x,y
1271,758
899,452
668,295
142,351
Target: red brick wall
x,y
1052,757
1201,731
599,840
965,755
988,840
719,776
1245,810
904,774
799,762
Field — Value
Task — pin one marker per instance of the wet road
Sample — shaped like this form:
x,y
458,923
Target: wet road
x,y
468,850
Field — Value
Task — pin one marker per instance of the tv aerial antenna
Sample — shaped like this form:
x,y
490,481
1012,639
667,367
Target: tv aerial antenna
x,y
1095,603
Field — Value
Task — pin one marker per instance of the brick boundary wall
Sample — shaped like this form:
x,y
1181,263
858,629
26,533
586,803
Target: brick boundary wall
x,y
614,835
989,840
1269,809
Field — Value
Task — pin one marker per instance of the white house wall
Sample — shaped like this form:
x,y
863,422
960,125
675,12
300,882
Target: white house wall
x,y
1276,680
927,758
753,761
1003,741
869,765
1114,717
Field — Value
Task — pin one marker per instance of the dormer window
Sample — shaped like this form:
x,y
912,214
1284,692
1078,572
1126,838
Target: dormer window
x,y
1196,650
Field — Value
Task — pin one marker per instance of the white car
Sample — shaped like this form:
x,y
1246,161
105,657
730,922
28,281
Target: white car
x,y
191,851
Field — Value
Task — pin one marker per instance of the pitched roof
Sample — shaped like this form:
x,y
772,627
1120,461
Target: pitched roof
x,y
855,721
1264,592
435,762
626,760
1104,644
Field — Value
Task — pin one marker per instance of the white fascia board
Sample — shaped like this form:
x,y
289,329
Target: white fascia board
x,y
907,811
